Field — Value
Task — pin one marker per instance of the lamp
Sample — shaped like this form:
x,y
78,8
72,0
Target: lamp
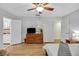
x,y
39,9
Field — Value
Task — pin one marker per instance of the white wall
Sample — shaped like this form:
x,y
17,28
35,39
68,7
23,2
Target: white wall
x,y
57,29
16,31
65,28
47,24
74,21
1,29
69,24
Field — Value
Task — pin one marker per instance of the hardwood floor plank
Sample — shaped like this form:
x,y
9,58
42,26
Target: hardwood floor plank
x,y
26,50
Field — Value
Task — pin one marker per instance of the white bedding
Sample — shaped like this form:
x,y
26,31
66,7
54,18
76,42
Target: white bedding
x,y
74,48
62,50
51,49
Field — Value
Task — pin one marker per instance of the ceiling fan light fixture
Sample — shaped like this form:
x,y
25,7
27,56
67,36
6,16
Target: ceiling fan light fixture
x,y
39,9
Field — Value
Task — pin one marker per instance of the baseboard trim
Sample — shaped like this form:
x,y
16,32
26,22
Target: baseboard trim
x,y
17,44
48,42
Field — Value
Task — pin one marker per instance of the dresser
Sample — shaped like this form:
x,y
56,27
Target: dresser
x,y
33,38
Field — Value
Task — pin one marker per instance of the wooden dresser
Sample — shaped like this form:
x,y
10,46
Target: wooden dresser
x,y
33,38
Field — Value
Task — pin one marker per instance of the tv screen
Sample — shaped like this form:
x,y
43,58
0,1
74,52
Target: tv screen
x,y
31,30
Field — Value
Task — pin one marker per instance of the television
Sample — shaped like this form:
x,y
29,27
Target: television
x,y
31,30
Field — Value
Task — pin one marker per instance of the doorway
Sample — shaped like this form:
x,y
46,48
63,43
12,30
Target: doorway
x,y
6,31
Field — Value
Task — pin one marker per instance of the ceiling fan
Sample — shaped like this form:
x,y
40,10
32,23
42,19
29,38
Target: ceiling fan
x,y
40,7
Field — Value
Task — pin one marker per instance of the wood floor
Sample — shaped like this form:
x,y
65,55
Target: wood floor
x,y
26,50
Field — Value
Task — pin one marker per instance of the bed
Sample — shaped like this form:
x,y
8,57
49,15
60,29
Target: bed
x,y
74,48
62,49
51,49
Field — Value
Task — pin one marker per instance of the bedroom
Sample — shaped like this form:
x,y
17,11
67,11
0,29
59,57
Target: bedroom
x,y
58,25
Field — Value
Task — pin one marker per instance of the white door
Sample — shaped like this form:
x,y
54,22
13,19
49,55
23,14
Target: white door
x,y
16,31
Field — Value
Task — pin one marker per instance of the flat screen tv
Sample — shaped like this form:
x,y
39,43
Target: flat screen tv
x,y
31,30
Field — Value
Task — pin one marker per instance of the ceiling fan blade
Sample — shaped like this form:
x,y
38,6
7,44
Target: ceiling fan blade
x,y
49,8
45,4
34,4
31,9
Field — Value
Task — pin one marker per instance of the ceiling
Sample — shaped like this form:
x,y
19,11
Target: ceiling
x,y
20,9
